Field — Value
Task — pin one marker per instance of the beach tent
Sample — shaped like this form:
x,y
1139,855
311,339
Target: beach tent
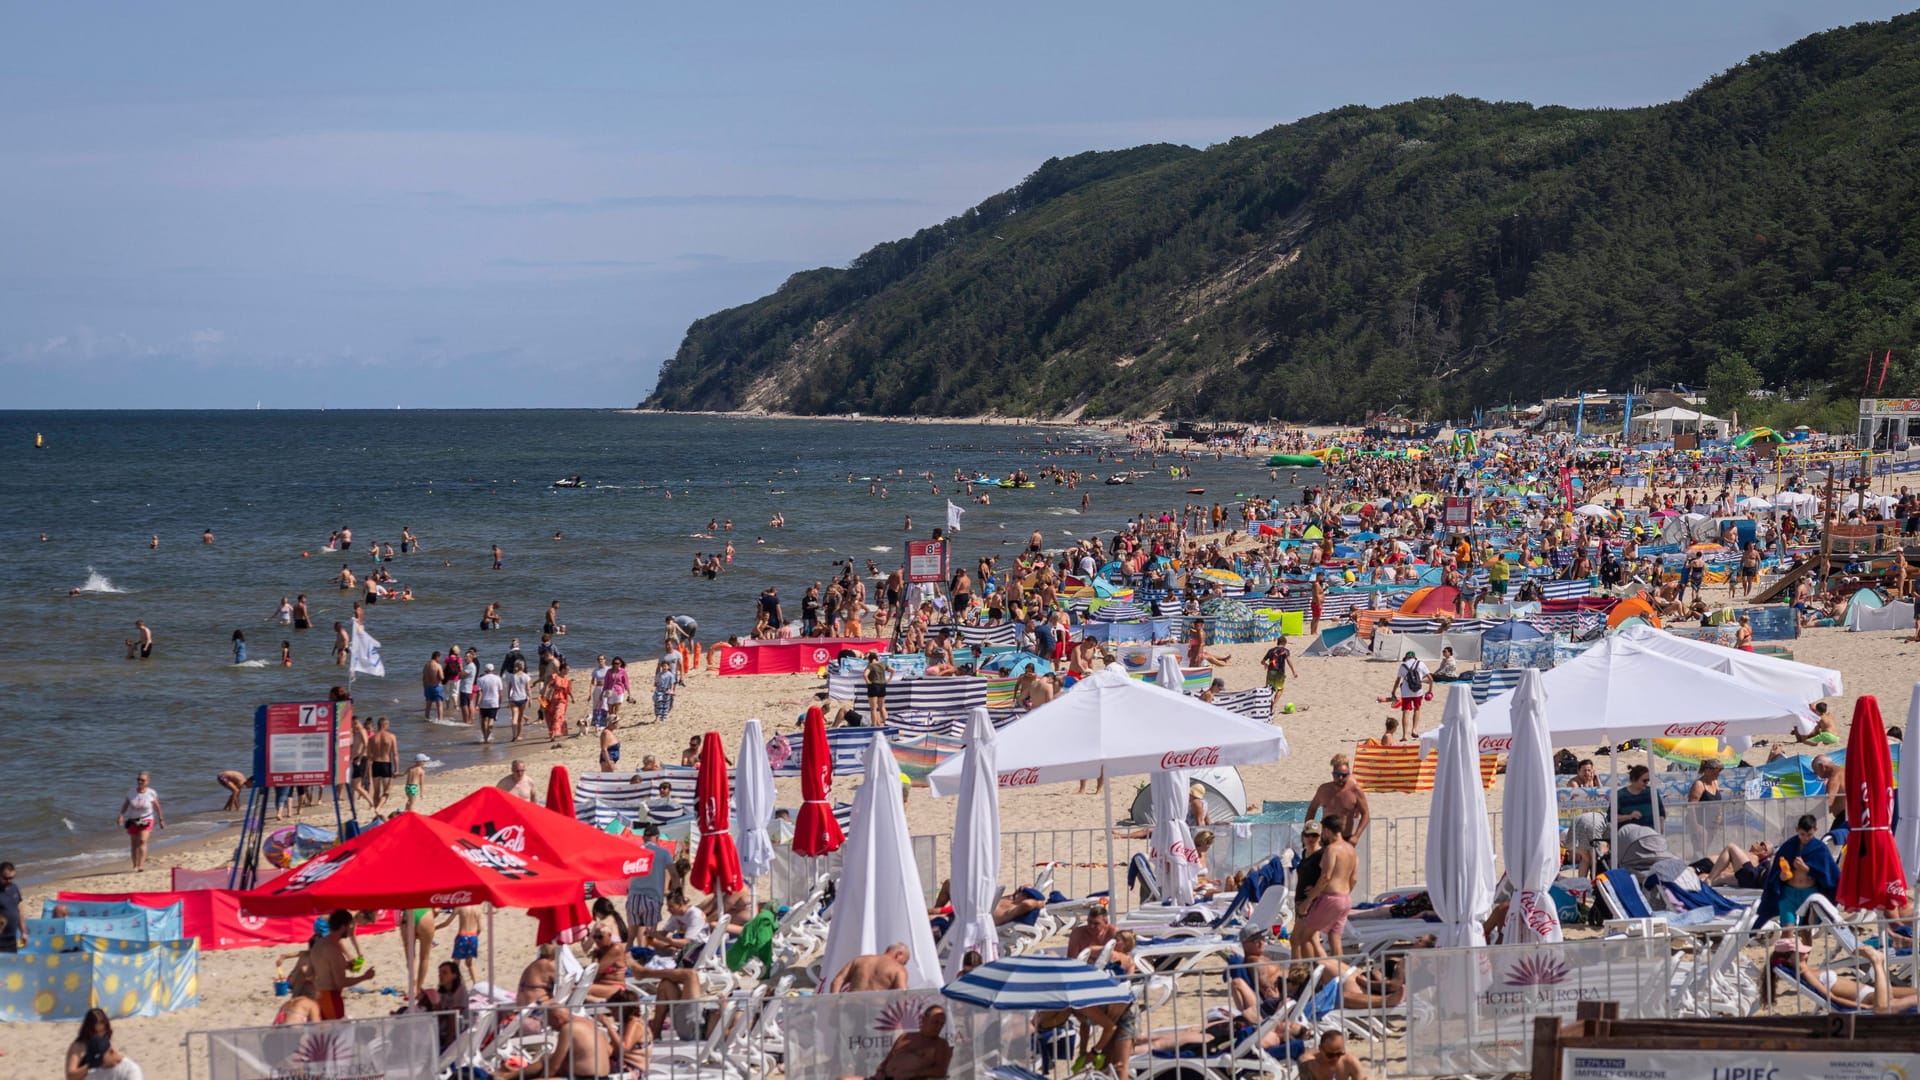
x,y
1114,725
1632,608
1894,616
1663,423
1224,793
1430,600
1790,678
1622,689
1509,631
1339,640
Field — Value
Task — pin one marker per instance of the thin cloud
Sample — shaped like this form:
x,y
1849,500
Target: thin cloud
x,y
572,264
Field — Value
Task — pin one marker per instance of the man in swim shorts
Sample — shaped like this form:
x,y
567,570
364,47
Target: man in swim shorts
x,y
1328,901
433,679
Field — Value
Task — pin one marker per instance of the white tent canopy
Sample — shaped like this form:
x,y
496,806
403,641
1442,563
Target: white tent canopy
x,y
1664,422
1622,689
1112,723
1801,682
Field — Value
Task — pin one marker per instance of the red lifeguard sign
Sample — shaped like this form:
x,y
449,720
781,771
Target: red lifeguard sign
x,y
926,560
297,744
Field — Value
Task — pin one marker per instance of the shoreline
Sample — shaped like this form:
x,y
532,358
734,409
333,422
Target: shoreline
x,y
978,420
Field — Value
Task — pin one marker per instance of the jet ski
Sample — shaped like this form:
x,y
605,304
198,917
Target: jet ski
x,y
573,481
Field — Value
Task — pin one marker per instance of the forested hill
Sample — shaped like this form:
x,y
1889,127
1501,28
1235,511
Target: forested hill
x,y
1433,255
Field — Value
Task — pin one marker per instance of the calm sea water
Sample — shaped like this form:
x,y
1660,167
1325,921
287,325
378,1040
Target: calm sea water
x,y
273,485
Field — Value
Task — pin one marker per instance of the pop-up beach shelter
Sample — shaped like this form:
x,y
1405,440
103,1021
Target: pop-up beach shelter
x,y
1120,726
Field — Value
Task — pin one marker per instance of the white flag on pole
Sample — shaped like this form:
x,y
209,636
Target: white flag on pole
x,y
953,516
365,654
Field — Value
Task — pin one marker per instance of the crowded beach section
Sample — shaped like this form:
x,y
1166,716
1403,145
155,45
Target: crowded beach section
x,y
1202,786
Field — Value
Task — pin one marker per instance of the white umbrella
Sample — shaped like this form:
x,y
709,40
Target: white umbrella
x,y
974,871
1789,678
753,804
1622,689
1755,502
1113,724
1906,829
1170,846
1459,855
1530,824
878,901
1593,510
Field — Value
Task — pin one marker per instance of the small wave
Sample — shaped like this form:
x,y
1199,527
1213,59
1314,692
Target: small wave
x,y
250,664
454,724
98,582
881,547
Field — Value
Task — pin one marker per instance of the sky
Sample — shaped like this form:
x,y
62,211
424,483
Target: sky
x,y
423,205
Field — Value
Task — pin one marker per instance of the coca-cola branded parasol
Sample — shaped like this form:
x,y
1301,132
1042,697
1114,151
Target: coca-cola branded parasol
x,y
414,861
1871,877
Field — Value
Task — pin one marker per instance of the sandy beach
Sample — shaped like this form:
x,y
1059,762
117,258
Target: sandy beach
x,y
1337,708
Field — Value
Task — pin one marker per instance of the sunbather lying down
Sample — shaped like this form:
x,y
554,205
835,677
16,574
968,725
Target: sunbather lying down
x,y
1844,988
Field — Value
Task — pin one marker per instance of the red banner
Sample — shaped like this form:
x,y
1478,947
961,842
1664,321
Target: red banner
x,y
789,657
214,916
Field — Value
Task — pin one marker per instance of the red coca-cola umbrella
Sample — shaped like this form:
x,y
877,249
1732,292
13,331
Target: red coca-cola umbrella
x,y
414,861
553,837
716,866
816,831
1871,878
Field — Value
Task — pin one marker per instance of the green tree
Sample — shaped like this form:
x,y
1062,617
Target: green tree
x,y
1731,382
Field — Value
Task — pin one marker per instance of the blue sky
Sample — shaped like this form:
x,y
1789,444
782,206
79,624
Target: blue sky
x,y
516,205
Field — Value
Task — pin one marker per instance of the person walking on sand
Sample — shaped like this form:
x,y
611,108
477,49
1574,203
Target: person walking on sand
x,y
1411,684
140,814
383,755
559,695
519,686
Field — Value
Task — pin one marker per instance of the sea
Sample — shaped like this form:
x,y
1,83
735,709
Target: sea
x,y
77,568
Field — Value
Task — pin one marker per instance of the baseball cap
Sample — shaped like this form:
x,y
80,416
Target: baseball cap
x,y
1253,933
422,758
1311,828
489,667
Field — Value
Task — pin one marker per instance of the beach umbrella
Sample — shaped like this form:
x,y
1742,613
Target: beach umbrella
x,y
716,866
1114,725
753,801
816,831
974,868
1906,820
1460,856
877,900
1221,577
1755,502
1037,983
1871,877
1170,844
415,861
1530,823
552,836
1594,510
1623,689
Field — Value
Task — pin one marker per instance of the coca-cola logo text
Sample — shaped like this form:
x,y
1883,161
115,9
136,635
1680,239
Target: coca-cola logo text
x,y
451,899
493,857
1715,728
1197,758
1491,745
511,837
637,866
1020,778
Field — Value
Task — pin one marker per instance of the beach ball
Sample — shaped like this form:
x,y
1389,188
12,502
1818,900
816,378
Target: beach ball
x,y
43,1002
